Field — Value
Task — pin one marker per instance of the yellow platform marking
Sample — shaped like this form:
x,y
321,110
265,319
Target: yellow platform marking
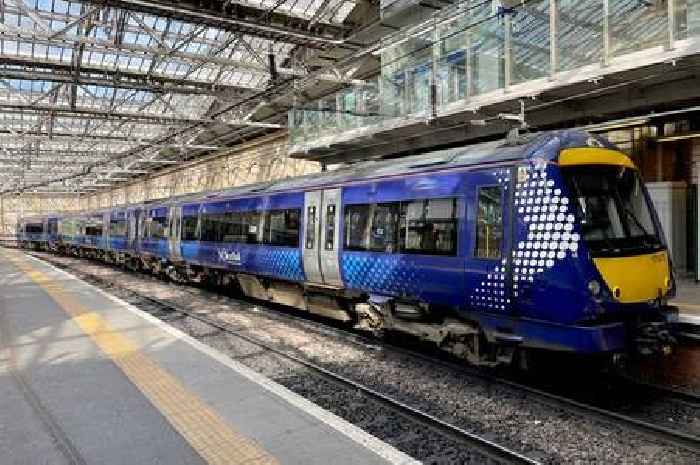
x,y
208,434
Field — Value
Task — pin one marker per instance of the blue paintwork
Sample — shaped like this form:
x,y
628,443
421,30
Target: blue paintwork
x,y
272,261
117,243
536,289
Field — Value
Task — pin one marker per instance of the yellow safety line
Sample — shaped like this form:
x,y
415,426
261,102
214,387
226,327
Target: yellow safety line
x,y
208,434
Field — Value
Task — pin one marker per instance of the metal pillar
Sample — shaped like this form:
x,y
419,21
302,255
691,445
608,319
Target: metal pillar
x,y
606,33
434,92
671,24
468,63
553,39
697,220
507,50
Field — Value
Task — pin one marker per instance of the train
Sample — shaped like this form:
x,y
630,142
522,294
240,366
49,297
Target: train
x,y
544,243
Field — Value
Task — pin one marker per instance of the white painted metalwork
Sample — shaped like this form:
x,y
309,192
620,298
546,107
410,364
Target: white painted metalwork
x,y
85,83
498,56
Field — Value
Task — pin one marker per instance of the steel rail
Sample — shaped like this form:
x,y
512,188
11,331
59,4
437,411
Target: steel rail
x,y
484,446
667,435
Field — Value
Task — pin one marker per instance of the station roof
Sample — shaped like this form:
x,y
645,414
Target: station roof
x,y
95,92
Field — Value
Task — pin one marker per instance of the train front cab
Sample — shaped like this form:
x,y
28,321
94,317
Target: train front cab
x,y
631,277
33,233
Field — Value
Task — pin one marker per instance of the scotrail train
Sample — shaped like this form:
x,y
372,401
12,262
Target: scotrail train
x,y
488,251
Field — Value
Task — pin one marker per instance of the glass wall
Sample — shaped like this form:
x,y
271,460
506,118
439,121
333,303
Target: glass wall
x,y
486,51
530,47
637,24
407,75
351,108
483,48
579,33
451,60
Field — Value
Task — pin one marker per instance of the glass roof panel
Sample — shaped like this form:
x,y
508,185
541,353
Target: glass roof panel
x,y
84,81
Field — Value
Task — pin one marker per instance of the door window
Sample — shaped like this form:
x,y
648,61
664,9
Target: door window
x,y
330,227
489,222
311,227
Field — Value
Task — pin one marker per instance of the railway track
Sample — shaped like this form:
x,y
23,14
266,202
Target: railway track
x,y
669,436
495,452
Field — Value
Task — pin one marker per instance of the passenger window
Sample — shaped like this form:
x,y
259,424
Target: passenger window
x,y
356,227
189,228
429,227
250,225
282,228
385,222
157,228
489,222
330,227
117,228
311,227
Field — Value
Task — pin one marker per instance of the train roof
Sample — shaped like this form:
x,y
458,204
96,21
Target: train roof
x,y
545,145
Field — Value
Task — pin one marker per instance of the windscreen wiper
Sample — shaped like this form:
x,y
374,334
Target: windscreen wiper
x,y
635,219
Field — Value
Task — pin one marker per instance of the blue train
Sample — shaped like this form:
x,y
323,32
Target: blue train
x,y
503,248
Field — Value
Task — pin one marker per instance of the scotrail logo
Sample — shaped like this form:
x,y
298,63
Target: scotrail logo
x,y
231,257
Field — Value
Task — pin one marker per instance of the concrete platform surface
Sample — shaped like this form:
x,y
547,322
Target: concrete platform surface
x,y
688,301
88,379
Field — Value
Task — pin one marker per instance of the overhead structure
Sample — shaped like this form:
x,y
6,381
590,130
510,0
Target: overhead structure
x,y
92,90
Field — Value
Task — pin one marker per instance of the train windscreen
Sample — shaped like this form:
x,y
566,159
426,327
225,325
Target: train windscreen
x,y
613,210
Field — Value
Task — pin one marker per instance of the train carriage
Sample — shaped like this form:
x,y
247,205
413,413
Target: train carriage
x,y
486,251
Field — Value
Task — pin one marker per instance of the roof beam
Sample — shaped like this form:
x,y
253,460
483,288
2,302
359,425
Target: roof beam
x,y
100,112
35,133
136,50
239,18
37,70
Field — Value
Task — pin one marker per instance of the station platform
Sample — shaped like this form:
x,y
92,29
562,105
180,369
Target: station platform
x,y
688,302
88,379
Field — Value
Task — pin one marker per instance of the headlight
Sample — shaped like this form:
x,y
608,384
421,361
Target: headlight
x,y
594,287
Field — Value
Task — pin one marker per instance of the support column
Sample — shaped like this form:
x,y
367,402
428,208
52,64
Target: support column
x,y
553,39
507,51
434,91
468,63
3,223
671,24
606,32
695,160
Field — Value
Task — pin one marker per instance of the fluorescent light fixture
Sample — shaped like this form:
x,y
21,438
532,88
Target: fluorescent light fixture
x,y
679,137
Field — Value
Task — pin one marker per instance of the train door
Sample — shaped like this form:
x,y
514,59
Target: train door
x,y
174,232
489,264
131,228
321,237
135,228
106,231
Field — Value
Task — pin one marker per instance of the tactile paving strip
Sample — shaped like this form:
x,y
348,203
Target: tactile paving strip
x,y
207,433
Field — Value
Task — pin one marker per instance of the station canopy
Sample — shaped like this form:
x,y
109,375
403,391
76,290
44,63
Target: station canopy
x,y
93,92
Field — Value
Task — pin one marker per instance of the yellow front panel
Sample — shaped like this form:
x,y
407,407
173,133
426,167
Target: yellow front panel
x,y
593,156
637,279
